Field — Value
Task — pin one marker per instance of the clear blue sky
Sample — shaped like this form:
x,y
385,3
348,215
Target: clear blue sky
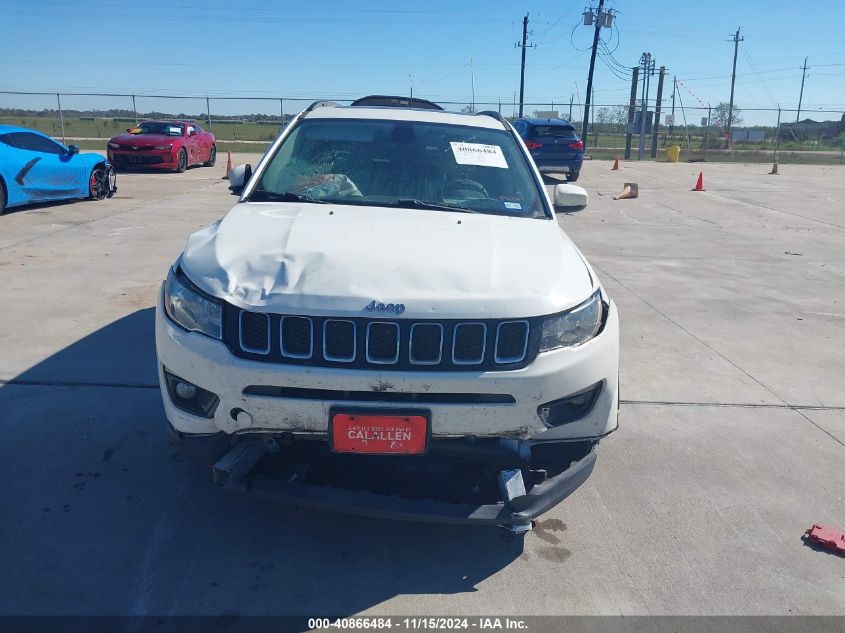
x,y
346,49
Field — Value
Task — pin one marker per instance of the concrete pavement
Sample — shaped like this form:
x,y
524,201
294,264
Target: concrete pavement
x,y
732,438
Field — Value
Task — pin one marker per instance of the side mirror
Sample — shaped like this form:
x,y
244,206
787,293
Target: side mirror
x,y
239,177
192,133
570,196
73,149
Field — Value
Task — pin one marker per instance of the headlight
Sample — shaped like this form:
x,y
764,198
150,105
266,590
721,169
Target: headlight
x,y
190,308
168,146
573,328
114,145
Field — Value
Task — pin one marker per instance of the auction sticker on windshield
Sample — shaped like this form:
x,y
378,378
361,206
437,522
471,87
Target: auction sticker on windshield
x,y
478,154
376,433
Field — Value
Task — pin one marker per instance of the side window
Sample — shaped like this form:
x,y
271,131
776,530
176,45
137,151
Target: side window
x,y
33,142
190,129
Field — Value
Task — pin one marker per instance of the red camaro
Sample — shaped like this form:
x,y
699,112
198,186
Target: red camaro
x,y
163,145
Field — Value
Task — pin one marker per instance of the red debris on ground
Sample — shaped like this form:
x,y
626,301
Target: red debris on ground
x,y
827,537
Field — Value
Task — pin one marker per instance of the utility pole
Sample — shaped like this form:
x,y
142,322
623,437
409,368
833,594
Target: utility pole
x,y
801,96
647,62
472,79
655,124
599,21
674,88
632,108
523,46
737,39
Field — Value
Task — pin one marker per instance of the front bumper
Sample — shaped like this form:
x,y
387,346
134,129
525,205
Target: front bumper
x,y
563,166
209,364
519,511
153,159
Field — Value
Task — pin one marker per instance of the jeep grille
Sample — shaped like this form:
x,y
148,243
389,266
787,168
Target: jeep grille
x,y
384,344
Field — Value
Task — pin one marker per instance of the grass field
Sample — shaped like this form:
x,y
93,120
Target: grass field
x,y
106,128
230,136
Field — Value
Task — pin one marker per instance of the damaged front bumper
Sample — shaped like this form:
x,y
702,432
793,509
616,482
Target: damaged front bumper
x,y
236,471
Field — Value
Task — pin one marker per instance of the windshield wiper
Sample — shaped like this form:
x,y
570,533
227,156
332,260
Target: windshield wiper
x,y
413,203
260,195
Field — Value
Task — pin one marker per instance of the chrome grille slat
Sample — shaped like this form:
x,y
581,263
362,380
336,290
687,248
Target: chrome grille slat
x,y
466,359
381,337
296,321
511,325
332,339
252,324
421,360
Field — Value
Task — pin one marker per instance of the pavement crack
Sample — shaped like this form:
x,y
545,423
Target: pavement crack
x,y
718,353
762,206
741,405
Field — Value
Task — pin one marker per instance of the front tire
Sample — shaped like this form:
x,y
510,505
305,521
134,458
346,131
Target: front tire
x,y
182,161
98,184
212,157
2,199
573,176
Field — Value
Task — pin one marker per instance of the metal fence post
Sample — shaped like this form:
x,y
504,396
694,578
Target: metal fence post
x,y
208,111
135,109
777,140
707,134
281,113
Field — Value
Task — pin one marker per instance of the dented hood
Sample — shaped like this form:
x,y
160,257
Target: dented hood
x,y
334,260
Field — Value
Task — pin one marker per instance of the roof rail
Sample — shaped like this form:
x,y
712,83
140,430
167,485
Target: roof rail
x,y
321,104
395,102
496,115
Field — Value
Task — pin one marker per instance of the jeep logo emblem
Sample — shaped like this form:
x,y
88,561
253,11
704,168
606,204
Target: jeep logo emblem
x,y
375,306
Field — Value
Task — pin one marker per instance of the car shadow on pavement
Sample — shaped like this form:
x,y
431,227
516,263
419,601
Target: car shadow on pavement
x,y
553,179
102,514
43,207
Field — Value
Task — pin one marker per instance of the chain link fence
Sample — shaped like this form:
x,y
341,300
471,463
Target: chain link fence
x,y
615,130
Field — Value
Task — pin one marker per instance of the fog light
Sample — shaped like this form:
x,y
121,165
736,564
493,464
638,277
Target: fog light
x,y
185,390
571,408
189,397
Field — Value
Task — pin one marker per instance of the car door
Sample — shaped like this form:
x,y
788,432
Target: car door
x,y
192,144
46,170
203,144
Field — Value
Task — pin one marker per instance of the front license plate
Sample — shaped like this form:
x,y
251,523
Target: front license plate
x,y
377,434
134,159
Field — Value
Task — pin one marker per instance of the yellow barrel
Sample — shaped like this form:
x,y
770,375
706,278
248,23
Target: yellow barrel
x,y
673,152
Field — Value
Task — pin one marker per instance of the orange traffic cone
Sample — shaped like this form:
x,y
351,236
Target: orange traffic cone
x,y
699,186
615,165
228,166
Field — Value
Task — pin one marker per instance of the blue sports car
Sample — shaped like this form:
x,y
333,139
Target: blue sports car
x,y
35,168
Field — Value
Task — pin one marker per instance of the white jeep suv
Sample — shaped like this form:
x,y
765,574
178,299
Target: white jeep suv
x,y
391,322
